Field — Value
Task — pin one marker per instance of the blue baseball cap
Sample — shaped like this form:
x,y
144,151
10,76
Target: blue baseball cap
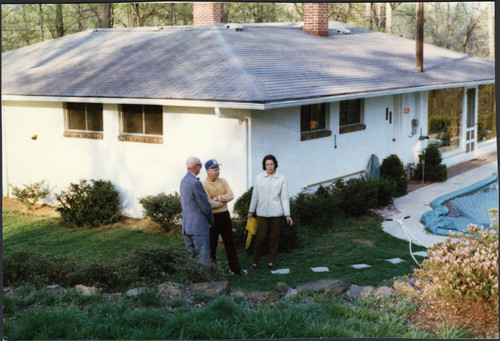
x,y
212,163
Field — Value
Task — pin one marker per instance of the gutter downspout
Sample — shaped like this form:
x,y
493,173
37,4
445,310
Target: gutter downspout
x,y
4,151
247,139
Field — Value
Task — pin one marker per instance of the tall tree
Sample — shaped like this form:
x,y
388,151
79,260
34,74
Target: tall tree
x,y
40,12
105,15
388,17
59,21
475,16
491,30
368,15
382,17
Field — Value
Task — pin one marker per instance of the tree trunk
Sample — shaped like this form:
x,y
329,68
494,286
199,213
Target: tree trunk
x,y
470,28
105,15
451,23
382,18
59,20
79,17
40,12
491,29
171,20
368,15
135,16
388,16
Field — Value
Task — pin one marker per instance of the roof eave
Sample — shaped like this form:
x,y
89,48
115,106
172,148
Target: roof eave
x,y
242,105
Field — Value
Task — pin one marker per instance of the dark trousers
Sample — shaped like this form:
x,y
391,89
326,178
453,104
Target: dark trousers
x,y
264,224
224,227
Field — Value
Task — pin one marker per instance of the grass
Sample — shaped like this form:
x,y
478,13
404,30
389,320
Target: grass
x,y
49,237
312,315
347,242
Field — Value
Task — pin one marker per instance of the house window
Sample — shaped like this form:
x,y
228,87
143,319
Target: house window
x,y
350,116
142,123
313,122
84,120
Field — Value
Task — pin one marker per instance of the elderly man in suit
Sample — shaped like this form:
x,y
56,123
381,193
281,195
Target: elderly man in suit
x,y
197,216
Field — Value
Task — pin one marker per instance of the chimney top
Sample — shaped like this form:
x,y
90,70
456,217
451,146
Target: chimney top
x,y
207,13
316,18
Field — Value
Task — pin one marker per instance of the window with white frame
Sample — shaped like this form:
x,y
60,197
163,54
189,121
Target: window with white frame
x,y
84,120
141,123
351,116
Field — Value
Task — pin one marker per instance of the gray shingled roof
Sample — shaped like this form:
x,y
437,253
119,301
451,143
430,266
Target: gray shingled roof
x,y
263,63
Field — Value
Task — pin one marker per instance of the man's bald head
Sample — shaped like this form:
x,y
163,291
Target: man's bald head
x,y
193,165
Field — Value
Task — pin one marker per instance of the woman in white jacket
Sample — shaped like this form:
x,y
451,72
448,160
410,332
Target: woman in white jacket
x,y
270,202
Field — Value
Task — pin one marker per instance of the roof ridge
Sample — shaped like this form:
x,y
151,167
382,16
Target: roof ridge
x,y
239,66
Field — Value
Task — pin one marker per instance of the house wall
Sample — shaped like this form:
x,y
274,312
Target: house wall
x,y
136,169
304,163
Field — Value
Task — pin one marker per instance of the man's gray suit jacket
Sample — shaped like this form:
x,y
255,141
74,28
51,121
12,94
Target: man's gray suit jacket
x,y
197,213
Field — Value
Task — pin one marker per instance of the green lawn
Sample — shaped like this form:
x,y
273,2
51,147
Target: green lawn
x,y
311,314
347,242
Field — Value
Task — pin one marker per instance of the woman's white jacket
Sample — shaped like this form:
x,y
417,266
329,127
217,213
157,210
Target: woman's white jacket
x,y
270,196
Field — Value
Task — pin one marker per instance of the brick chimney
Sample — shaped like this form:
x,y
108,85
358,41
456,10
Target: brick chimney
x,y
316,18
207,13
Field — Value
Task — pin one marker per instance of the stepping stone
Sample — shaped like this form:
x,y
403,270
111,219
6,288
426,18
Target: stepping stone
x,y
320,269
420,253
361,266
395,260
280,271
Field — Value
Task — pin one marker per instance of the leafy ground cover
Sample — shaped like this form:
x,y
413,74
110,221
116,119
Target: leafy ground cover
x,y
73,316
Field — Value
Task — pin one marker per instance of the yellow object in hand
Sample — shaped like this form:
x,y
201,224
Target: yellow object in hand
x,y
252,229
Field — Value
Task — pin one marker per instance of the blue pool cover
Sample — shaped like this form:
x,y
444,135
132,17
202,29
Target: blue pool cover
x,y
473,209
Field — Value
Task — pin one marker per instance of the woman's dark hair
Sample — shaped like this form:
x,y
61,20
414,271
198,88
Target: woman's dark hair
x,y
269,157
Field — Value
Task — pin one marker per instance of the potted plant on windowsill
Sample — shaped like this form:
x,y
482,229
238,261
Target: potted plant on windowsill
x,y
313,125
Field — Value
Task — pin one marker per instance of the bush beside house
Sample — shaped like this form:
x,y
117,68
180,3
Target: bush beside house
x,y
393,170
31,194
429,166
164,209
89,203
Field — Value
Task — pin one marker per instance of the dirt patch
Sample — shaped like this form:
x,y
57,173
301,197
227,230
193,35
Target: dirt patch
x,y
37,210
477,317
365,242
50,211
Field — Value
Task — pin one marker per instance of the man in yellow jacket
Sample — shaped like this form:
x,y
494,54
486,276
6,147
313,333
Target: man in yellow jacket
x,y
219,194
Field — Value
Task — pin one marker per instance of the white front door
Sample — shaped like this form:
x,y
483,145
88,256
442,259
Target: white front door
x,y
470,120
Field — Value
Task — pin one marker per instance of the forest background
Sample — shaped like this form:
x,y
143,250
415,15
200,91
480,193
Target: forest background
x,y
466,27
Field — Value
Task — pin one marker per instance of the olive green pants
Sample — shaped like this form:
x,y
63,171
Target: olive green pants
x,y
265,224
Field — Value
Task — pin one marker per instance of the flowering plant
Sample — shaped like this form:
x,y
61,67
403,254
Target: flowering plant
x,y
465,267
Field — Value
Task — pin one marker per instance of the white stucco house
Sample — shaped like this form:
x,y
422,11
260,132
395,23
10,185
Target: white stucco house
x,y
131,104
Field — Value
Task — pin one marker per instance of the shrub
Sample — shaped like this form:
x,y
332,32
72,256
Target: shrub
x,y
357,195
152,260
89,204
198,272
25,266
242,204
439,124
317,210
433,169
393,170
466,268
164,209
31,194
386,191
